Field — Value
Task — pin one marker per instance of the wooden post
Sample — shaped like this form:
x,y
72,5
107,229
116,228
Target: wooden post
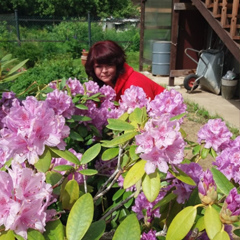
x,y
142,26
215,8
174,41
234,18
224,14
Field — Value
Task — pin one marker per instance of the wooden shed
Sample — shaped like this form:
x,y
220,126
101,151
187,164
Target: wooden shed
x,y
197,24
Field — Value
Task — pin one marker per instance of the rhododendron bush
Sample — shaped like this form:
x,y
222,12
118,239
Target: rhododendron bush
x,y
75,164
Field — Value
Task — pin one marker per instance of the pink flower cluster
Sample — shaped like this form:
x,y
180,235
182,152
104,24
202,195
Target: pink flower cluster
x,y
144,209
160,144
170,102
149,236
214,134
228,161
24,198
28,128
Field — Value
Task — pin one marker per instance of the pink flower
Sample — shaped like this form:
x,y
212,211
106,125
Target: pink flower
x,y
29,127
231,207
207,188
75,86
160,144
133,97
214,134
24,198
149,236
170,102
61,103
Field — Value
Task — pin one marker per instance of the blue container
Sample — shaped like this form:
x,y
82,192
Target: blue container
x,y
161,58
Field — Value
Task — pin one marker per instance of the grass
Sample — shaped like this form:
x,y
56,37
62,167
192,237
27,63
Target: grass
x,y
201,115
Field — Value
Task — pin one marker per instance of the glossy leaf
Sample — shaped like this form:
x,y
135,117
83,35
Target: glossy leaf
x,y
196,149
151,186
95,231
35,235
8,235
200,224
130,201
88,172
182,176
80,217
44,162
54,230
91,153
81,106
119,125
223,235
135,173
212,221
76,136
129,229
221,181
66,155
63,168
165,200
70,194
81,118
53,177
110,154
182,223
132,153
120,139
136,116
118,194
204,152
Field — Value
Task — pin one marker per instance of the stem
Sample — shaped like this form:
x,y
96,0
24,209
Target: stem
x,y
117,207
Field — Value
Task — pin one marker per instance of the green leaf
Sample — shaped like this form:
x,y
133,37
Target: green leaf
x,y
34,235
70,194
14,69
130,201
91,153
44,162
52,178
95,231
88,172
200,224
54,230
80,217
196,149
129,229
63,168
182,176
76,136
151,186
80,118
120,139
8,235
221,236
66,155
118,194
136,116
134,174
119,125
132,153
212,222
223,184
165,200
182,223
205,152
237,232
110,154
81,106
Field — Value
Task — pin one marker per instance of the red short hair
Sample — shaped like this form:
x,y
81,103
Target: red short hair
x,y
105,52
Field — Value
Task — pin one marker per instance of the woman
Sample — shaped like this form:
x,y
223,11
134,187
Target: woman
x,y
106,64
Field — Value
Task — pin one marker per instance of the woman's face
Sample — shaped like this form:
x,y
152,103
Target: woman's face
x,y
105,73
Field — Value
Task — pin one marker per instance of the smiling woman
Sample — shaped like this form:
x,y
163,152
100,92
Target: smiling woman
x,y
106,64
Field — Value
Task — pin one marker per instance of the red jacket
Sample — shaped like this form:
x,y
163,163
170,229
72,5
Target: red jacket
x,y
131,77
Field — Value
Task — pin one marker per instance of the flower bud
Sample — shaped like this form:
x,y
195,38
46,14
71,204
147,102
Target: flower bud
x,y
207,189
231,208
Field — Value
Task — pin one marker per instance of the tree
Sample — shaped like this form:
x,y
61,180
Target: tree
x,y
71,8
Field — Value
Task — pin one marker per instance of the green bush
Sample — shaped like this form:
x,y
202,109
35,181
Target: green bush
x,y
46,72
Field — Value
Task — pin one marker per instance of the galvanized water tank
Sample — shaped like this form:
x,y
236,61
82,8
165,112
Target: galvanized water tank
x,y
161,57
